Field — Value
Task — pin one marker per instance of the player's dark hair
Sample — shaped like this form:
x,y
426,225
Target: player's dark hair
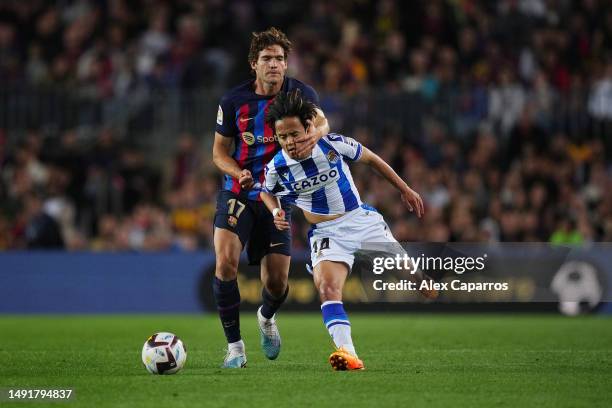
x,y
264,39
291,104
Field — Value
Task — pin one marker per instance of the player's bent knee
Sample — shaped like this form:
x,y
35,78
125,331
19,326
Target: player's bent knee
x,y
226,268
329,292
227,253
275,273
227,264
276,287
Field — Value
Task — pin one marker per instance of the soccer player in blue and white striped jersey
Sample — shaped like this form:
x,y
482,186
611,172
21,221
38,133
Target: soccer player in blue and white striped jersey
x,y
321,184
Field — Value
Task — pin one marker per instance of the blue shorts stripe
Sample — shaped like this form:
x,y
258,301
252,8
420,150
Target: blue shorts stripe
x,y
368,207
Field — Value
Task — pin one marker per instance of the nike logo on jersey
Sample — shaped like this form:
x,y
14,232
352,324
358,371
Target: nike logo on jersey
x,y
276,244
245,119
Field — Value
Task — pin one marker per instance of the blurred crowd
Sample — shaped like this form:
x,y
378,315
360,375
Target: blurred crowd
x,y
105,196
514,97
528,188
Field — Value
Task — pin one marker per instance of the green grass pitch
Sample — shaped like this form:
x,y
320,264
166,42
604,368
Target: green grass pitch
x,y
411,360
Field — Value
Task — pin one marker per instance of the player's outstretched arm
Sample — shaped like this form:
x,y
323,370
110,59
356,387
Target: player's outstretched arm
x,y
410,197
226,164
273,205
317,128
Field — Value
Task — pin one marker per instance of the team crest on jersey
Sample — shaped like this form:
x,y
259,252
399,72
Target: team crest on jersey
x,y
232,221
220,116
332,157
248,138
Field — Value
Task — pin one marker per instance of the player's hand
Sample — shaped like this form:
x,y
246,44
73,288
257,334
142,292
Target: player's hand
x,y
246,179
414,201
281,223
304,144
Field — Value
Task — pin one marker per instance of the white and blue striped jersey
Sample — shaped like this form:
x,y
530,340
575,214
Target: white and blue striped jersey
x,y
321,183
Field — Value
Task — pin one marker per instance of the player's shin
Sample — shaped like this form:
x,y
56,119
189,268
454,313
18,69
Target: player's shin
x,y
227,297
337,323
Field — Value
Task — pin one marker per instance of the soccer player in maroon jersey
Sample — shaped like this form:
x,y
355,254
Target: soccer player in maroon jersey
x,y
241,218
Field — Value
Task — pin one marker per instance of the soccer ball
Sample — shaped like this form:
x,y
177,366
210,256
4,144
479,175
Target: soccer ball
x,y
163,353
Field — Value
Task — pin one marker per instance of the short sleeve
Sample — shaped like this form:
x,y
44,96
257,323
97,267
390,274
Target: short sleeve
x,y
348,147
226,120
271,179
310,94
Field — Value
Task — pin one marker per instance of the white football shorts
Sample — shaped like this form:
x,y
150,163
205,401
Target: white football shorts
x,y
339,239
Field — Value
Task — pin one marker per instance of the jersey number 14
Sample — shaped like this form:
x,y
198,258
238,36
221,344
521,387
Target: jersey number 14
x,y
318,247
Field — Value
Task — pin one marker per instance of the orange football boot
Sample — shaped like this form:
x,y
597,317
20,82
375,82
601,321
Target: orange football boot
x,y
342,360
